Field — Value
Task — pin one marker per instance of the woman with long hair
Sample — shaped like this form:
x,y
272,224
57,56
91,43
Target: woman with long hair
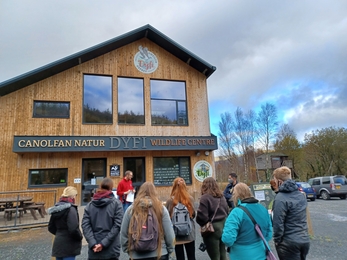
x,y
179,194
101,223
146,203
212,203
64,224
239,233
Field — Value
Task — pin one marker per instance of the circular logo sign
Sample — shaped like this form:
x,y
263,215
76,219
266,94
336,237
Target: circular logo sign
x,y
145,61
202,170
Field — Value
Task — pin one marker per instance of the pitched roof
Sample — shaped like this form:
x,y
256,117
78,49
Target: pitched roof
x,y
68,62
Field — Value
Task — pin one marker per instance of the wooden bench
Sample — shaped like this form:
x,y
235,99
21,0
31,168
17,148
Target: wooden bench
x,y
10,211
42,204
32,209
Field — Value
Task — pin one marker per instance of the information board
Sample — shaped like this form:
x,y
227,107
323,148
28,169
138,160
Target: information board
x,y
165,176
263,193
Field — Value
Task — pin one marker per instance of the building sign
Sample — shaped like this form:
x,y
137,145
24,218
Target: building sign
x,y
145,61
115,170
22,144
202,170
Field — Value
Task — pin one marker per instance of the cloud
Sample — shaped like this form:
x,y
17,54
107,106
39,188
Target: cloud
x,y
290,53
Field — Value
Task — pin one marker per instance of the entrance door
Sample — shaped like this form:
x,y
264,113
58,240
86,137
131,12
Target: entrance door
x,y
137,166
93,171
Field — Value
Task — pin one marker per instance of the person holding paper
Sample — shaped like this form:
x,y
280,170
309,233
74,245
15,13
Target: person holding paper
x,y
125,190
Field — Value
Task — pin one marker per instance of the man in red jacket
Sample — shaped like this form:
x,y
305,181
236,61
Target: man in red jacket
x,y
125,187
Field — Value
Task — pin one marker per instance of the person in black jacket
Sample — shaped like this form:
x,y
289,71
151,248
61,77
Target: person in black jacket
x,y
290,230
101,223
64,224
228,192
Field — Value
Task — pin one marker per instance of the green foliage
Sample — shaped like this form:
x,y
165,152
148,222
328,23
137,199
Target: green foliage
x,y
326,151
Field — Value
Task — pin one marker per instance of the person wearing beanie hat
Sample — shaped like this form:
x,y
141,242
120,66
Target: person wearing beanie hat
x,y
64,224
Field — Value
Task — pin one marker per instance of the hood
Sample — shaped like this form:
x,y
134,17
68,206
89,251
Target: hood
x,y
102,198
60,207
288,186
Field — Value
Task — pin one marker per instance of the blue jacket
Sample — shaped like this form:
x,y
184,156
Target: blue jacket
x,y
239,233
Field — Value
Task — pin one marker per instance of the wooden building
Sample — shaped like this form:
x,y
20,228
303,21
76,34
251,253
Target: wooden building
x,y
136,102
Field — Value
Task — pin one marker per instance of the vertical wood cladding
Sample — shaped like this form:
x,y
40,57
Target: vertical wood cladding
x,y
17,110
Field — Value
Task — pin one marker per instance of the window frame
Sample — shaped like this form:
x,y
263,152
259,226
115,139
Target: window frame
x,y
177,101
83,98
51,102
47,185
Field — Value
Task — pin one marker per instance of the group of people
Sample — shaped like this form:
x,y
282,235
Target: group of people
x,y
145,229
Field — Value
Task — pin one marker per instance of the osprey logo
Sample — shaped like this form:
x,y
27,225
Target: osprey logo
x,y
145,61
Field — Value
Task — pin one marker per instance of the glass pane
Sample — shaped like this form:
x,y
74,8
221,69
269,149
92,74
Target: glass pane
x,y
163,89
48,177
163,112
93,172
137,166
166,169
51,109
97,99
130,101
182,113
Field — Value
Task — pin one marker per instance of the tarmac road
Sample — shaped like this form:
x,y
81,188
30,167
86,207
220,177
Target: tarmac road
x,y
329,219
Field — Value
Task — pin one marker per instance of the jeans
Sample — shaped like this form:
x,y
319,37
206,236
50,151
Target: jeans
x,y
291,250
126,205
66,258
190,250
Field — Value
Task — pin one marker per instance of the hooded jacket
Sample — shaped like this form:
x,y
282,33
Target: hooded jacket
x,y
64,224
169,235
289,214
101,223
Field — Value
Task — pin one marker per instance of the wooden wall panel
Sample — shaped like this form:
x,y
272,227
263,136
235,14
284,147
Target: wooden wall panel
x,y
16,117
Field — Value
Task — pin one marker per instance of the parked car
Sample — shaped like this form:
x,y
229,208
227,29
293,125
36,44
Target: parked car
x,y
330,186
308,190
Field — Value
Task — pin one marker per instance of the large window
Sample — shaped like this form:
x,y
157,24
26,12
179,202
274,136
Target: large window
x,y
130,101
47,177
97,99
166,169
52,109
137,166
168,103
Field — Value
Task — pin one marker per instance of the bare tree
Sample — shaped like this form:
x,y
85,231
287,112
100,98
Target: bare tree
x,y
237,136
267,127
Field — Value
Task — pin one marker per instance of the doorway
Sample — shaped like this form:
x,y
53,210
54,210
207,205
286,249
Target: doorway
x,y
93,171
137,166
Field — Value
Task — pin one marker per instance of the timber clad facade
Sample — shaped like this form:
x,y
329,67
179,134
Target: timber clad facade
x,y
137,102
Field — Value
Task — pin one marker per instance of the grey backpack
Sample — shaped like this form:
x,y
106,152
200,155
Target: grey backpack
x,y
181,220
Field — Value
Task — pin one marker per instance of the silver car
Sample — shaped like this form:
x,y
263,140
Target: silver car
x,y
330,186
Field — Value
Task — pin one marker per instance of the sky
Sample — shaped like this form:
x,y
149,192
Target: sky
x,y
289,53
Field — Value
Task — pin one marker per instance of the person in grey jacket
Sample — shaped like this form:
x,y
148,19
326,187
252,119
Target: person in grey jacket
x,y
147,198
290,230
101,223
64,224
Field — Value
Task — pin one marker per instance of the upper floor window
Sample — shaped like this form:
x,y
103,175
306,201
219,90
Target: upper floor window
x,y
51,109
97,99
168,103
130,101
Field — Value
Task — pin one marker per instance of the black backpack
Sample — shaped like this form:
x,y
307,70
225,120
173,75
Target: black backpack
x,y
181,220
148,240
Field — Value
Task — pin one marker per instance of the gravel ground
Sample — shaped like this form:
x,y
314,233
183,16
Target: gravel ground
x,y
329,241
